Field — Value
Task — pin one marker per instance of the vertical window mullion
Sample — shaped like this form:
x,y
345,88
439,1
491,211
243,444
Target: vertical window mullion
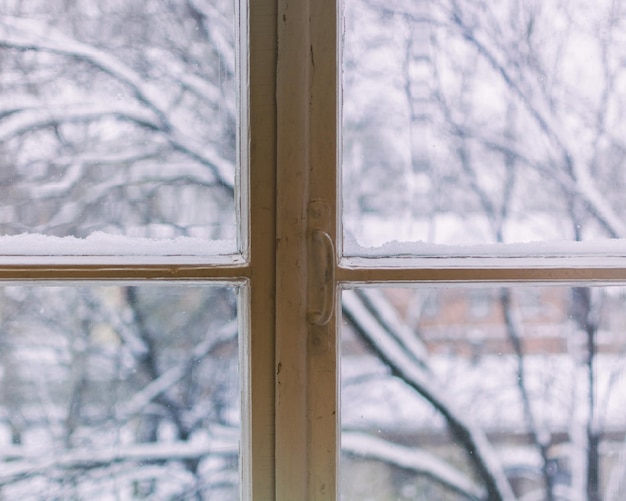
x,y
258,62
306,405
323,345
292,183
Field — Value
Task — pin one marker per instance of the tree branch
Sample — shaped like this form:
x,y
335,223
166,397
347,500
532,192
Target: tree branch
x,y
413,459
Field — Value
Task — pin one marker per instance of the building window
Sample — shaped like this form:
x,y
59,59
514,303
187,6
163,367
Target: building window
x,y
187,226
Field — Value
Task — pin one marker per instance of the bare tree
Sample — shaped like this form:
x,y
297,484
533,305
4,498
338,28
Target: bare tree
x,y
513,135
119,117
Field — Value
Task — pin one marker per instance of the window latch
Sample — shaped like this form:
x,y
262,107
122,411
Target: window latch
x,y
321,275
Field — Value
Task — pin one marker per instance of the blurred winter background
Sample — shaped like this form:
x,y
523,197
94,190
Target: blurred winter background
x,y
469,125
464,122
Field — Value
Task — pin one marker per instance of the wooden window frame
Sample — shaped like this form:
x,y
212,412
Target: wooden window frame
x,y
290,193
307,400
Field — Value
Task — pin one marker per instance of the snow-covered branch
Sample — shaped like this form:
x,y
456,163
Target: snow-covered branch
x,y
582,182
25,120
32,35
403,366
172,376
540,436
410,458
388,318
28,463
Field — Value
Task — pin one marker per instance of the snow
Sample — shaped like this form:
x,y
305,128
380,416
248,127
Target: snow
x,y
420,379
376,240
145,396
369,446
32,34
374,236
135,458
31,118
104,244
388,409
589,253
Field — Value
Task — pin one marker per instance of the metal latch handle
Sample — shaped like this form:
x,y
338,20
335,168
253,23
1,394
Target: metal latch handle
x,y
321,269
325,272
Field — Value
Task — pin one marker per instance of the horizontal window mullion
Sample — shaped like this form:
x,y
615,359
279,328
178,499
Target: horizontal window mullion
x,y
407,275
123,272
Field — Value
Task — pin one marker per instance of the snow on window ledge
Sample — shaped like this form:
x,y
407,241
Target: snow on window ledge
x,y
591,253
103,247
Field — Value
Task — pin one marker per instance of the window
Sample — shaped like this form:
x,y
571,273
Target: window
x,y
278,252
125,305
448,150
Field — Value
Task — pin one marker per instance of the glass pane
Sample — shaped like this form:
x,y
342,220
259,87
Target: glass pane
x,y
118,120
448,393
119,392
472,122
